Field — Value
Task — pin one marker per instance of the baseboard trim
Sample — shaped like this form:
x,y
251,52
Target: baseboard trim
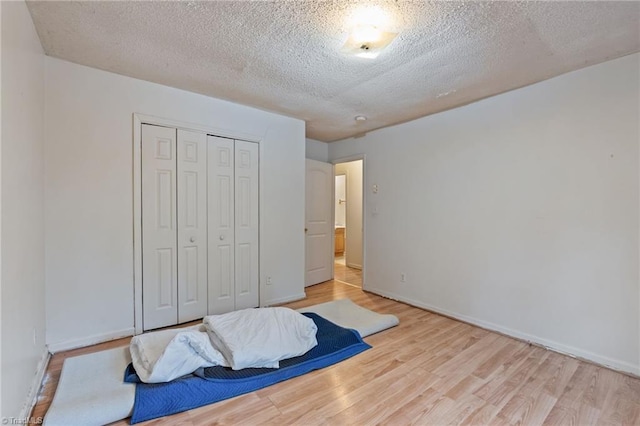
x,y
32,397
287,299
90,340
613,364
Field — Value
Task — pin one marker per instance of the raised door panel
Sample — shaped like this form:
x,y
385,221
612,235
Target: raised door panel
x,y
192,225
221,218
159,256
246,225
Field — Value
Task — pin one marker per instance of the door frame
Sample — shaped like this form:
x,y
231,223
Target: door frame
x,y
333,191
346,159
138,120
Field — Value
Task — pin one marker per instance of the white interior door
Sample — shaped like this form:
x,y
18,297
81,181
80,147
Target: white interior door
x,y
192,225
159,255
246,225
319,226
221,218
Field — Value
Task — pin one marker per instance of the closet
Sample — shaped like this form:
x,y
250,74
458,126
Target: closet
x,y
199,225
233,224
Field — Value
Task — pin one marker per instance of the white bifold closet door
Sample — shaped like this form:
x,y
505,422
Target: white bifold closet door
x,y
192,225
174,226
199,225
159,227
233,224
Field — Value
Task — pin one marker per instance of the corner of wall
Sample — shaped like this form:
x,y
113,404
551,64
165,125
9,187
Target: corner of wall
x,y
22,192
317,150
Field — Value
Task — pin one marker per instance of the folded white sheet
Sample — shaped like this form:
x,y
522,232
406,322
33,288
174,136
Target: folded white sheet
x,y
162,356
260,338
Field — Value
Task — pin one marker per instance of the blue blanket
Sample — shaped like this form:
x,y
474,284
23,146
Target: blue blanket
x,y
214,384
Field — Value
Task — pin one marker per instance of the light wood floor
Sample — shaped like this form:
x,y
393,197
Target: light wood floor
x,y
347,275
429,370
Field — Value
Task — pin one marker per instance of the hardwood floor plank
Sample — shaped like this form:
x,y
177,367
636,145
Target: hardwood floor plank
x,y
481,416
463,408
497,361
436,413
384,413
363,412
564,371
464,387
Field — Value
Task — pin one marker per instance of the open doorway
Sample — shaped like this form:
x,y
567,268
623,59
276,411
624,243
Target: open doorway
x,y
348,204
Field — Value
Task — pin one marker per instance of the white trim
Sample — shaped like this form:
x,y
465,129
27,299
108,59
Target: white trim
x,y
137,223
90,340
365,186
262,281
287,299
571,351
1,150
138,120
32,396
333,220
210,130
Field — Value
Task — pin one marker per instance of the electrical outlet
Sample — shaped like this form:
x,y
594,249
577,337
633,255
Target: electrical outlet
x,y
269,281
403,278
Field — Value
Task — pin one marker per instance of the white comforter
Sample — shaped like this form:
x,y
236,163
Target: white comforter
x,y
162,356
242,339
254,338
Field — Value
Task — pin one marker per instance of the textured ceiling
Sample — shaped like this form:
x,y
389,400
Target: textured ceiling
x,y
284,56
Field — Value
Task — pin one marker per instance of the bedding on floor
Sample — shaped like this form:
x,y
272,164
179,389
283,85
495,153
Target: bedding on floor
x,y
249,338
260,338
213,384
165,355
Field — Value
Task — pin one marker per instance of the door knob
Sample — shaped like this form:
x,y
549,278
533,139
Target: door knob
x,y
221,237
192,239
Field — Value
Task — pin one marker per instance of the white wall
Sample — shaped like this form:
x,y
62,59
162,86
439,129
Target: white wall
x,y
353,231
89,193
316,150
519,212
23,305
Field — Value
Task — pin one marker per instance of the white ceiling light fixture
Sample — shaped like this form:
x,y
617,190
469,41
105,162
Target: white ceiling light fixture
x,y
360,118
368,37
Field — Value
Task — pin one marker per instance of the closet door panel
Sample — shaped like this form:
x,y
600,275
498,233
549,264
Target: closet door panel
x,y
192,225
246,224
159,255
221,218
